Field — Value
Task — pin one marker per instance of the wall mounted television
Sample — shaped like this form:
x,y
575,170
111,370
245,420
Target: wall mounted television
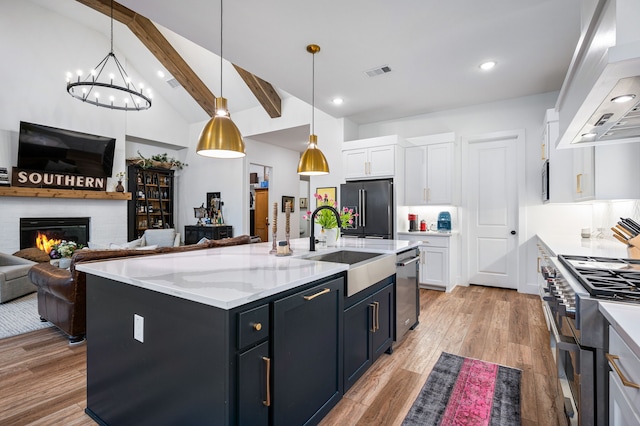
x,y
54,150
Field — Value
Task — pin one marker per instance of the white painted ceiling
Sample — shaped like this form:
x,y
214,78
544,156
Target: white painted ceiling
x,y
433,49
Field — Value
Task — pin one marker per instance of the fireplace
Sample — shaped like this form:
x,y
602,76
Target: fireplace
x,y
53,228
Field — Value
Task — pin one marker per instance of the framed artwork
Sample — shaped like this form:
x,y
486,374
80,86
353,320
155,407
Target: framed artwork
x,y
286,200
304,203
330,192
210,197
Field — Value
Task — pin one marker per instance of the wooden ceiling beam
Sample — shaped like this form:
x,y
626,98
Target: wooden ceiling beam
x,y
160,47
157,44
263,91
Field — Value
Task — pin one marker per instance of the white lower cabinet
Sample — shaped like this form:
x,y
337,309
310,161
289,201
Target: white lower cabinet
x,y
624,399
437,260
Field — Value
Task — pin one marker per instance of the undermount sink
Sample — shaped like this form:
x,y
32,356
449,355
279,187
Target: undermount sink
x,y
365,269
344,256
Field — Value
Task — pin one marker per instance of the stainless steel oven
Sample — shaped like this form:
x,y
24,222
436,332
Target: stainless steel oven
x,y
576,341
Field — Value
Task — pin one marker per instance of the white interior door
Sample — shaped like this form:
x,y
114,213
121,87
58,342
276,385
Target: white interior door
x,y
492,198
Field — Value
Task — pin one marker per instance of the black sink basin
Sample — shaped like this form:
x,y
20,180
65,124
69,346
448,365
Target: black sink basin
x,y
344,256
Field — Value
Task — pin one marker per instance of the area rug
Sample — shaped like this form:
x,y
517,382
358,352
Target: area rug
x,y
467,391
20,316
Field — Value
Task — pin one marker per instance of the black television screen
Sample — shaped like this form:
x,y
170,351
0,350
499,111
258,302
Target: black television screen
x,y
49,149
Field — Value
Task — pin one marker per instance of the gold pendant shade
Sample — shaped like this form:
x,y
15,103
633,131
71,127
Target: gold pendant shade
x,y
220,137
313,162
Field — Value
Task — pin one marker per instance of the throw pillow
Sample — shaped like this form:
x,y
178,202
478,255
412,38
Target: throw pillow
x,y
160,237
203,240
97,246
34,254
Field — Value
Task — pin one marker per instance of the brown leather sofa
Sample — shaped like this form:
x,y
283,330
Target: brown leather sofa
x,y
62,292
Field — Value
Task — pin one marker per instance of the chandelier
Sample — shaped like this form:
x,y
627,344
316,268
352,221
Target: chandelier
x,y
108,85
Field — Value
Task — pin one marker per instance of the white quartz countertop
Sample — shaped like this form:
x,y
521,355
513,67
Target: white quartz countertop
x,y
575,245
624,318
229,277
427,233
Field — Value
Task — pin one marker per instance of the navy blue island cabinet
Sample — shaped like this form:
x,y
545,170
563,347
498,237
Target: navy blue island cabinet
x,y
275,361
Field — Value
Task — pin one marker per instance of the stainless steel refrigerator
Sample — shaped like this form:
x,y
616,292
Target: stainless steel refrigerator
x,y
373,201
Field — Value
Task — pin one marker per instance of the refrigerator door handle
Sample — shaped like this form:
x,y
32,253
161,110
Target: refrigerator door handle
x,y
364,206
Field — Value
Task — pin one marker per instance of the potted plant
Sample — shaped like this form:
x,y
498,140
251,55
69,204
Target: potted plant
x,y
157,160
63,251
328,221
120,176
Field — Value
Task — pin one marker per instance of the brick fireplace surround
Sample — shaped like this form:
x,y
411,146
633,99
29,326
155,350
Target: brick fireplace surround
x,y
108,217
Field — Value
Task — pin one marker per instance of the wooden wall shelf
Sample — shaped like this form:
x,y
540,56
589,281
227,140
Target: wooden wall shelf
x,y
15,191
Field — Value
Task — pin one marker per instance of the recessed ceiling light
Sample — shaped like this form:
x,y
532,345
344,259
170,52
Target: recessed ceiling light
x,y
487,65
160,74
623,98
337,101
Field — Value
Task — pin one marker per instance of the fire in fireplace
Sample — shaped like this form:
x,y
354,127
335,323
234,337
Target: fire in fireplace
x,y
44,243
46,232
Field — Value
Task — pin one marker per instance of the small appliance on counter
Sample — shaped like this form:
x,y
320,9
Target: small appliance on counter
x,y
423,225
444,222
413,222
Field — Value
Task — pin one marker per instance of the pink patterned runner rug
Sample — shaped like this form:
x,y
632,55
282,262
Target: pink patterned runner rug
x,y
465,391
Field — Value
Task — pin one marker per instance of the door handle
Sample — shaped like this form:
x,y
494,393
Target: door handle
x,y
267,362
513,232
612,360
373,317
320,293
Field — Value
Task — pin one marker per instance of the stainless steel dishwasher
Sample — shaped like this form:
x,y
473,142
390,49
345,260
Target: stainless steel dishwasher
x,y
407,293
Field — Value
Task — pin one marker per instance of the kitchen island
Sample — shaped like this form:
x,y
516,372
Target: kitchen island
x,y
223,336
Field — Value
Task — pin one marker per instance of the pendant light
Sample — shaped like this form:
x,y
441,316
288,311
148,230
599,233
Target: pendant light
x,y
313,162
111,80
220,137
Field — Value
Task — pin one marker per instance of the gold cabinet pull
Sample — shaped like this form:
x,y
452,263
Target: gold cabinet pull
x,y
579,183
373,317
428,194
612,360
320,293
538,264
542,154
256,326
377,315
267,361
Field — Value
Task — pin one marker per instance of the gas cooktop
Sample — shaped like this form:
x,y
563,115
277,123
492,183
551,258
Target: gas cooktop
x,y
604,277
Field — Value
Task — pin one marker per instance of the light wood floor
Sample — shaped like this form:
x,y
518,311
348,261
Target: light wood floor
x,y
42,378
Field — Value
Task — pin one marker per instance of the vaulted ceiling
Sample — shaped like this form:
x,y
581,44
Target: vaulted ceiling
x,y
432,48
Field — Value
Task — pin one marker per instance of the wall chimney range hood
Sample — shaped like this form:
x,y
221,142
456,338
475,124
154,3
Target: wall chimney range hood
x,y
605,70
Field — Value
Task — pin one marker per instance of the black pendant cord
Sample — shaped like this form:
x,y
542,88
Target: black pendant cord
x,y
111,26
221,46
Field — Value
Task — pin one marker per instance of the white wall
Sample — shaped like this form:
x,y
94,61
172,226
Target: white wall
x,y
38,48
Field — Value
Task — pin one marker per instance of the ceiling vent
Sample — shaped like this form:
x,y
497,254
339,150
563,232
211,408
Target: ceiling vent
x,y
173,83
378,71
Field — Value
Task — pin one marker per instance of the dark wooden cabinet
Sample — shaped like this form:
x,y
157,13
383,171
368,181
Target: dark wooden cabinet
x,y
152,200
368,329
276,361
194,233
253,386
307,354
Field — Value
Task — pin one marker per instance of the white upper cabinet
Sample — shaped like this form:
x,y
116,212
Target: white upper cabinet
x,y
607,172
369,162
560,175
371,158
429,170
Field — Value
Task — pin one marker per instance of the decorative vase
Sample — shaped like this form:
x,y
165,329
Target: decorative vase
x,y
64,263
332,237
119,187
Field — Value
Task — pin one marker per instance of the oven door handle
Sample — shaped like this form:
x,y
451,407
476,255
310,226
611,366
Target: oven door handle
x,y
566,344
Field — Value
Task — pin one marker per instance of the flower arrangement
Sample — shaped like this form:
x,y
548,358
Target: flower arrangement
x,y
120,176
64,249
326,219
